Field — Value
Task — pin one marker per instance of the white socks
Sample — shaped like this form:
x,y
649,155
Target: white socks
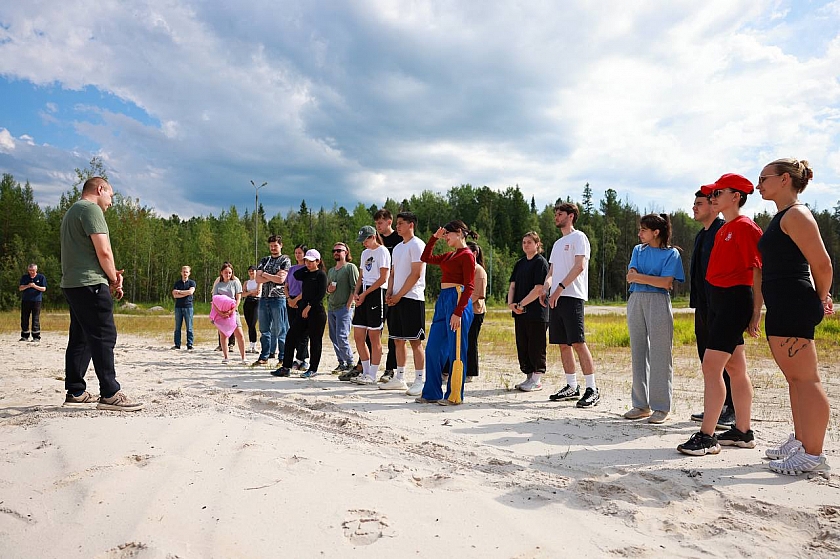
x,y
571,380
400,374
419,375
590,381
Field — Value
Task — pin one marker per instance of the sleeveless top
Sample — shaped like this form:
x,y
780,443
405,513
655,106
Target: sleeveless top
x,y
781,257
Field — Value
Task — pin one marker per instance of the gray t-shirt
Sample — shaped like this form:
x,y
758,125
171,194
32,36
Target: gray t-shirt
x,y
229,288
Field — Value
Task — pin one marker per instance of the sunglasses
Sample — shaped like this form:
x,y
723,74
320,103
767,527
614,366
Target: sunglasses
x,y
719,191
338,250
762,178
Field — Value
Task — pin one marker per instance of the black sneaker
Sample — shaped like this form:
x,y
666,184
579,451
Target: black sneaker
x,y
734,437
726,419
348,374
698,417
591,397
700,444
281,372
387,375
566,393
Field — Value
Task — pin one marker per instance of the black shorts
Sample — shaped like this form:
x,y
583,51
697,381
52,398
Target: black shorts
x,y
371,313
407,320
793,309
730,311
565,322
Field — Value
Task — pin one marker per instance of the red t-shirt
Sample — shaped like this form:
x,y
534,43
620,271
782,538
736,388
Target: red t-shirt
x,y
735,253
458,266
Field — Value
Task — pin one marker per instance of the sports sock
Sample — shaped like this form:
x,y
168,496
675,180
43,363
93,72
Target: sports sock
x,y
590,381
419,374
365,367
374,369
571,380
400,374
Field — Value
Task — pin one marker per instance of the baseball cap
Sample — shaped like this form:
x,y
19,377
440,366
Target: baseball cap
x,y
365,232
312,255
732,181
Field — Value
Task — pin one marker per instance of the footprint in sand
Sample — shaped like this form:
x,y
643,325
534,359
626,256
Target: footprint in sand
x,y
364,527
125,551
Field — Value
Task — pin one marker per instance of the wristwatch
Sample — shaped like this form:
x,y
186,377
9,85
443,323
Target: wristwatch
x,y
560,284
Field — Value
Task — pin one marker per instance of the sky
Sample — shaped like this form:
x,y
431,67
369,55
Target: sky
x,y
188,101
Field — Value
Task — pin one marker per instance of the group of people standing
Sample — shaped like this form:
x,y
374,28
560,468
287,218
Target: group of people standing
x,y
735,270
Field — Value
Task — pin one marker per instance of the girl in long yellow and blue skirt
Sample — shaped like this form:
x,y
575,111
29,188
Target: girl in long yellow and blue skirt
x,y
453,314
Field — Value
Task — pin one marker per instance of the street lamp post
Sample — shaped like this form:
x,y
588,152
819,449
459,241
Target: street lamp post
x,y
256,217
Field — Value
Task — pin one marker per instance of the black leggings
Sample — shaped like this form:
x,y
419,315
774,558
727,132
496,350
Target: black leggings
x,y
312,326
251,312
472,345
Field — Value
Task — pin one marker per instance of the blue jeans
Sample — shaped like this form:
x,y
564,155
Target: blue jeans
x,y
274,323
184,314
339,322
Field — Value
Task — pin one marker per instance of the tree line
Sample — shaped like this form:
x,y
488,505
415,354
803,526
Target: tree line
x,y
152,248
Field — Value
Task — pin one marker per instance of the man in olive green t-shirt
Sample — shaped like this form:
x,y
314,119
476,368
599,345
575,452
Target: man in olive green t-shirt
x,y
89,278
342,281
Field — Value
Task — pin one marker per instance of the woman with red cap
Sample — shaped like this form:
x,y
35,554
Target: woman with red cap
x,y
793,252
734,268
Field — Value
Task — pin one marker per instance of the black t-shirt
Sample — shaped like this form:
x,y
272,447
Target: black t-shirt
x,y
313,289
184,302
391,241
527,274
703,244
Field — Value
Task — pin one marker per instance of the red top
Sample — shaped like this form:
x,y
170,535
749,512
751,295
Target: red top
x,y
735,253
458,266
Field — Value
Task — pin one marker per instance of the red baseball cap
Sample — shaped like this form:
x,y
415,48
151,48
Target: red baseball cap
x,y
707,189
732,181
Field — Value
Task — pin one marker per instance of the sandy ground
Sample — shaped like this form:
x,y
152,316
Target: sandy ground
x,y
227,461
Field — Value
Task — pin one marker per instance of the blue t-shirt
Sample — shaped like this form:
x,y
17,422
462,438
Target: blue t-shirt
x,y
31,294
654,261
184,302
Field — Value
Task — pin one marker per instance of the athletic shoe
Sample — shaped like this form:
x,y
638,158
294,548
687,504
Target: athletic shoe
x,y
225,360
387,375
84,398
422,400
308,374
801,463
218,348
189,348
637,413
532,385
118,402
259,363
417,388
338,369
363,380
566,393
591,397
527,380
393,384
281,372
658,417
725,421
23,340
734,437
784,449
700,444
349,374
175,347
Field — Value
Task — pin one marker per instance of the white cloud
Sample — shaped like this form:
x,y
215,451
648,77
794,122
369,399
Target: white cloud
x,y
7,143
347,103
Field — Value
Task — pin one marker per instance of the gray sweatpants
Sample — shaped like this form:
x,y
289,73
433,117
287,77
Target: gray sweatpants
x,y
651,326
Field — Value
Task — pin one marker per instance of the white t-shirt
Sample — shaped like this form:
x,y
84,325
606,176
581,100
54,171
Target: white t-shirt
x,y
405,254
563,258
372,261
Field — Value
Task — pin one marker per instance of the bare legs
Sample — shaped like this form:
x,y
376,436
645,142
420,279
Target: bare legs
x,y
797,358
714,362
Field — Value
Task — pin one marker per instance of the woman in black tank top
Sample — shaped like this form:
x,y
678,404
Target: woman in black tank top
x,y
792,252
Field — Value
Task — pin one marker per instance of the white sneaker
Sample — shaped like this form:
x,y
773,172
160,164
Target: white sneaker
x,y
417,388
801,463
531,385
393,384
225,361
784,449
363,380
518,385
